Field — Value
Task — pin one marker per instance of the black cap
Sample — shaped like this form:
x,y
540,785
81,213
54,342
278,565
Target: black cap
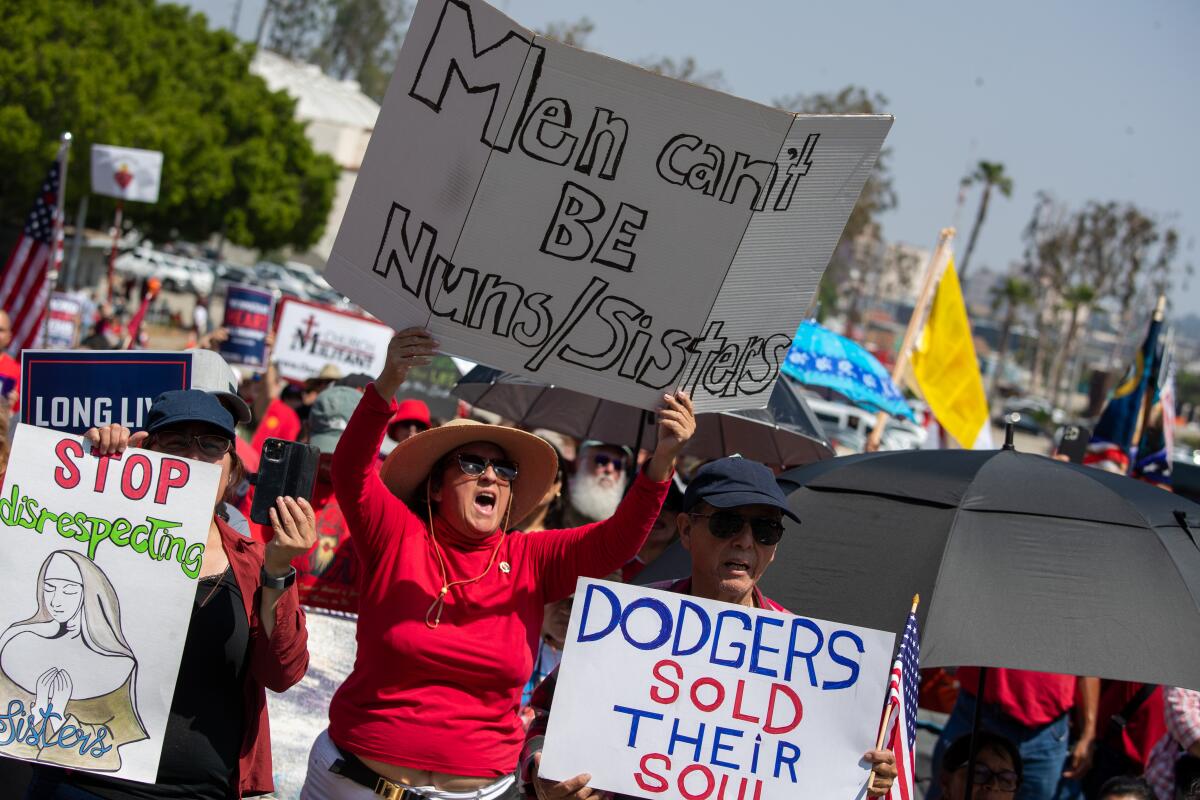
x,y
735,481
189,405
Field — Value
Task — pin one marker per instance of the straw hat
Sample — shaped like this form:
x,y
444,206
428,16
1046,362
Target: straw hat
x,y
406,467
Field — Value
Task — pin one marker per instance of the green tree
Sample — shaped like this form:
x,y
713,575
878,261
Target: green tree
x,y
1013,294
362,42
991,174
878,194
140,74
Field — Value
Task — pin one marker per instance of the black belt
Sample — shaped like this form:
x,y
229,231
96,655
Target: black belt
x,y
351,766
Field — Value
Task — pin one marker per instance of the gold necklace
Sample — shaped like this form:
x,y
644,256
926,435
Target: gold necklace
x,y
439,602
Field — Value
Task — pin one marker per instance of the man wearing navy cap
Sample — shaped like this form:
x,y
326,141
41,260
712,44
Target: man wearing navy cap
x,y
731,524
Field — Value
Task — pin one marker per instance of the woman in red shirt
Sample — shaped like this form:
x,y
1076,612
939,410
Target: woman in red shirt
x,y
450,604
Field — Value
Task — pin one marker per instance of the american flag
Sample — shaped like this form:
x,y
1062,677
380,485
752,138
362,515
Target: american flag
x,y
24,287
902,699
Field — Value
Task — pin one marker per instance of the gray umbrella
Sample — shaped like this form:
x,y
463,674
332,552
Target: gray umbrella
x,y
785,432
1021,561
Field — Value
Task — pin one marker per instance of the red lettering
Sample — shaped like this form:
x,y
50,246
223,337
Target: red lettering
x,y
127,486
741,795
770,726
173,473
662,697
710,781
715,703
661,784
67,476
737,704
237,318
102,470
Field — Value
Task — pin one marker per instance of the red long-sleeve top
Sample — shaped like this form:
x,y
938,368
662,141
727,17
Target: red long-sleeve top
x,y
446,699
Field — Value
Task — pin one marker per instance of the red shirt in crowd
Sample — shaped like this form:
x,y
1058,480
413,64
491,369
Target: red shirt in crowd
x,y
446,699
279,422
327,575
1145,725
1031,698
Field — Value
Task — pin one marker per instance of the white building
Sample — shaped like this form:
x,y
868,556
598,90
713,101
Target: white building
x,y
339,120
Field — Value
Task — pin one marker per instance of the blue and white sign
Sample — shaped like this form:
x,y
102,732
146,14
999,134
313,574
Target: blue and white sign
x,y
671,696
248,314
73,390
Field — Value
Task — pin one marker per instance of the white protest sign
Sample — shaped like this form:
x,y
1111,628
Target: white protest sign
x,y
309,337
582,221
100,557
63,321
666,695
126,172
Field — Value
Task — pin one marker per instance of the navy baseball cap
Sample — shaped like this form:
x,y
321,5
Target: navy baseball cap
x,y
189,405
735,481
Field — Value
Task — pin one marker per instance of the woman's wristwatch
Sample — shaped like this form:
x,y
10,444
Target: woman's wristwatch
x,y
279,583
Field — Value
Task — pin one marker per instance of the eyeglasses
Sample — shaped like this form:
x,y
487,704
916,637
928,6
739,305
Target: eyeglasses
x,y
1005,780
727,524
475,466
601,460
211,445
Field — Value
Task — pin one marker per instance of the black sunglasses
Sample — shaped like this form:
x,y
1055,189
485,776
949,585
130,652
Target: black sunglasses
x,y
1005,780
727,524
475,466
601,460
212,445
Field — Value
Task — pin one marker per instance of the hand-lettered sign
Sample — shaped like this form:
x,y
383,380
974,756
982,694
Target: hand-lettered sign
x,y
100,557
248,313
73,390
582,221
309,337
666,695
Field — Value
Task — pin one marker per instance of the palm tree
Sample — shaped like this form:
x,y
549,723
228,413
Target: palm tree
x,y
1012,294
990,174
1075,300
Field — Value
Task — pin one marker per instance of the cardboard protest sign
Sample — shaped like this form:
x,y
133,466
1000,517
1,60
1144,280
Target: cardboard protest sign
x,y
562,215
73,390
327,575
101,557
62,324
126,172
248,314
309,336
666,695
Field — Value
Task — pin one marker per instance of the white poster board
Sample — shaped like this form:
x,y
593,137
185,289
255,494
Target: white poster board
x,y
309,336
584,222
665,695
100,557
126,172
63,322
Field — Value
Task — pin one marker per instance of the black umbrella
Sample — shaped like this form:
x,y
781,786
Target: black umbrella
x,y
785,432
1021,561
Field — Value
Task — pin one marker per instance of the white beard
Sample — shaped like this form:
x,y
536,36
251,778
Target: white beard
x,y
592,498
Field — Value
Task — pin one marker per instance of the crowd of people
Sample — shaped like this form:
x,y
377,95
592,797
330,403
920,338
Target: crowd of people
x,y
445,552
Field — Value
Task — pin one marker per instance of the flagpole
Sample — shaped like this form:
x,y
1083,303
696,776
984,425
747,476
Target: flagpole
x,y
112,255
64,155
929,282
887,712
1146,403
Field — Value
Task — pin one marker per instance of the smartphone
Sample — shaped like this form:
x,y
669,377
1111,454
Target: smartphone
x,y
285,469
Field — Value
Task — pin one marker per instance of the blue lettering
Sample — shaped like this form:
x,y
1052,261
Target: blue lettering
x,y
788,754
718,747
837,658
635,715
705,628
587,606
32,727
676,736
737,647
797,624
664,616
759,647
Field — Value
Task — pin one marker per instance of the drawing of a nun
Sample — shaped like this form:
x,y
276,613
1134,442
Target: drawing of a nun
x,y
72,671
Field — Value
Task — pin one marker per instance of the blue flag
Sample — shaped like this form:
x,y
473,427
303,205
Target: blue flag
x,y
1112,438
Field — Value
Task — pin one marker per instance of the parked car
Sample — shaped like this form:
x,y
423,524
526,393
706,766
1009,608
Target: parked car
x,y
200,275
275,276
143,262
233,273
849,426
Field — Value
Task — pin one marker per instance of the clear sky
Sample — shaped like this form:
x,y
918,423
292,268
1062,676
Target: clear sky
x,y
1095,100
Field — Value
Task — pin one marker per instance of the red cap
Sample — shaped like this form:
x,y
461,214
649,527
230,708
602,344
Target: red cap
x,y
411,411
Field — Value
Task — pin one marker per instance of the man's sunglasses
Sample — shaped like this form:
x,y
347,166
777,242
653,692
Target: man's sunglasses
x,y
475,466
1005,780
601,460
727,524
211,445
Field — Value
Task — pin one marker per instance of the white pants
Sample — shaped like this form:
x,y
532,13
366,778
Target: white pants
x,y
321,784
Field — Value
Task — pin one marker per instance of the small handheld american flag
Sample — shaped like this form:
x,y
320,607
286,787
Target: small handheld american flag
x,y
899,730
